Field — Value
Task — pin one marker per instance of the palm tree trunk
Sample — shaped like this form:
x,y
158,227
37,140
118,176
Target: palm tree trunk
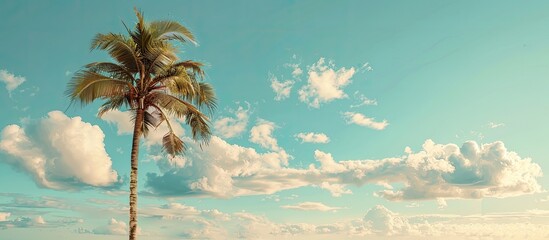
x,y
133,175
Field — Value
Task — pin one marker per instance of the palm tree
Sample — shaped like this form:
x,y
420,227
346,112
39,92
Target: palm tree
x,y
147,78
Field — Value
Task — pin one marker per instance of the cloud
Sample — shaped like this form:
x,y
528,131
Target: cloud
x,y
495,125
441,203
59,152
281,88
312,137
335,189
311,206
437,171
296,70
229,127
4,216
262,133
11,81
363,101
361,120
214,169
325,84
380,220
122,120
23,201
113,227
23,222
472,171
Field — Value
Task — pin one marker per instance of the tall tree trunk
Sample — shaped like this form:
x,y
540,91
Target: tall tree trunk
x,y
133,175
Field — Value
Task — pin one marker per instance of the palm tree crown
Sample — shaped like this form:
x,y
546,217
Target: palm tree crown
x,y
148,75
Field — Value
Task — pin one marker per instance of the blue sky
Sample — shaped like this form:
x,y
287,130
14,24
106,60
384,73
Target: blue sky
x,y
336,120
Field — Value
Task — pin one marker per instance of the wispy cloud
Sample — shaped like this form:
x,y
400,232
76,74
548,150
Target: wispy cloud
x,y
361,120
362,100
311,206
495,125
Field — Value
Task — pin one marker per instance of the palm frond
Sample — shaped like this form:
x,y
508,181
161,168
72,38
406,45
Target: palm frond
x,y
198,122
170,30
112,103
111,69
206,97
160,57
172,144
121,48
87,86
153,118
192,66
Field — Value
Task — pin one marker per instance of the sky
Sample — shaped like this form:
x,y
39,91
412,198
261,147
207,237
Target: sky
x,y
335,120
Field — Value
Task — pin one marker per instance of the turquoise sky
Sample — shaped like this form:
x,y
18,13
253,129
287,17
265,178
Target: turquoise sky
x,y
336,120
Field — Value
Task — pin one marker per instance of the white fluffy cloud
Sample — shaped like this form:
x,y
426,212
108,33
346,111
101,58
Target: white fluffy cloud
x,y
122,120
312,137
229,127
325,84
361,120
4,216
59,152
381,220
437,171
216,169
282,89
11,81
113,227
262,134
311,206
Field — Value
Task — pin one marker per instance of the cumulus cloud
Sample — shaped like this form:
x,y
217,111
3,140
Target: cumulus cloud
x,y
122,120
311,206
469,171
11,81
262,134
229,127
282,89
4,216
59,152
325,84
381,220
113,227
216,169
312,137
361,120
437,171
